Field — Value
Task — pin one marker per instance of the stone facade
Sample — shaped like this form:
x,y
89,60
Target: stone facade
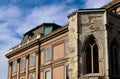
x,y
104,26
94,46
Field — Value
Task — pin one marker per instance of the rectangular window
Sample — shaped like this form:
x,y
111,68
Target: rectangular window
x,y
48,74
66,71
14,66
22,63
66,47
32,59
47,54
47,30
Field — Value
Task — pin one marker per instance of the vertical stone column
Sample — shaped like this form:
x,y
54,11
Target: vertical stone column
x,y
106,58
18,69
37,64
10,70
27,67
73,46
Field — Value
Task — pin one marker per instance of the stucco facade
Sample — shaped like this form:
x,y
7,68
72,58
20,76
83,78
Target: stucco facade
x,y
86,48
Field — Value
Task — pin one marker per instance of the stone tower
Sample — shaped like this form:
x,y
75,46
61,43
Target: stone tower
x,y
92,32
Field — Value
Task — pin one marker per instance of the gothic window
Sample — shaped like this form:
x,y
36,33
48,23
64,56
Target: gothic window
x,y
14,66
32,59
48,74
115,69
47,54
91,56
22,63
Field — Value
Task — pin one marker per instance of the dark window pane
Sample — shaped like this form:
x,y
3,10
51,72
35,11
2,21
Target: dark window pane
x,y
95,59
67,74
88,59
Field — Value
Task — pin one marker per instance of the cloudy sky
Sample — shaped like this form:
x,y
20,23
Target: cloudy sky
x,y
19,16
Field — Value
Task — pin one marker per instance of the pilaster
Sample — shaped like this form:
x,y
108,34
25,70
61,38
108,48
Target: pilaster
x,y
10,70
37,64
18,68
27,67
73,40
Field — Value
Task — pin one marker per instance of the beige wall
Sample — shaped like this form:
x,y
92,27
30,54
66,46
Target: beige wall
x,y
58,51
58,72
42,58
41,75
57,45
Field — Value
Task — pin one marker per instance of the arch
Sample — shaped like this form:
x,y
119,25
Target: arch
x,y
91,55
32,76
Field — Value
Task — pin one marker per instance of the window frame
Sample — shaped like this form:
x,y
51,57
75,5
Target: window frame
x,y
92,51
22,66
48,55
32,62
14,66
66,71
32,75
45,73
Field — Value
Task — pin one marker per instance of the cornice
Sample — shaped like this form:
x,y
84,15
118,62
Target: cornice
x,y
113,4
54,34
37,41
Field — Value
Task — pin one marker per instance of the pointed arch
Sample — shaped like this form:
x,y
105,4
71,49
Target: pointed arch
x,y
91,55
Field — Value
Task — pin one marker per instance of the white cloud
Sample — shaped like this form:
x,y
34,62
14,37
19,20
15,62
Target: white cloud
x,y
95,3
48,13
14,21
6,42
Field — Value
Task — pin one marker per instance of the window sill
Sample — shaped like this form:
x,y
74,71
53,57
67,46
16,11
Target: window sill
x,y
93,75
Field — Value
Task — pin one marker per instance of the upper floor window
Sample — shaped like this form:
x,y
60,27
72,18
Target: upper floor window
x,y
66,47
47,30
30,35
32,76
14,66
22,63
32,59
48,54
91,56
48,74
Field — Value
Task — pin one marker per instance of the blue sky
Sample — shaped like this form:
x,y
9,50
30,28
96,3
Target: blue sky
x,y
19,16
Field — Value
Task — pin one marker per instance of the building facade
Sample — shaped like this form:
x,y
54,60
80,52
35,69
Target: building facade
x,y
86,48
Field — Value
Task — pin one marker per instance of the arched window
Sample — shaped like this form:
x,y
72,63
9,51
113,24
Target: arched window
x,y
32,76
91,56
114,58
48,74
